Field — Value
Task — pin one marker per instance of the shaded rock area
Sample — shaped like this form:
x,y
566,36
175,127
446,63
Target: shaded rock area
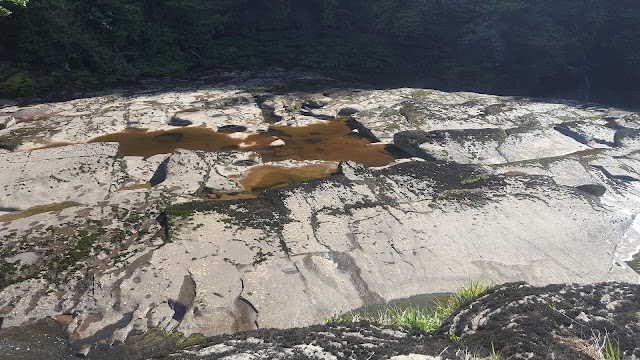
x,y
43,339
513,320
557,321
211,242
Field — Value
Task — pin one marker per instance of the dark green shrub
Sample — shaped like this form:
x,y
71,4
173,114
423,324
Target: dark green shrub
x,y
167,69
20,84
85,78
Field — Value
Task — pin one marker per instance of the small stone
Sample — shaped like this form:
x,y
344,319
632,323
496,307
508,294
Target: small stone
x,y
277,143
347,111
293,269
246,162
84,351
176,121
232,129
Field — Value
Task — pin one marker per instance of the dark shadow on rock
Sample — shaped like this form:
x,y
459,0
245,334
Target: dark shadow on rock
x,y
347,111
593,189
160,175
566,131
625,135
171,138
163,221
611,176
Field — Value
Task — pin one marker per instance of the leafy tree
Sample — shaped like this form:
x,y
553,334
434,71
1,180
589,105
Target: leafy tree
x,y
6,12
586,49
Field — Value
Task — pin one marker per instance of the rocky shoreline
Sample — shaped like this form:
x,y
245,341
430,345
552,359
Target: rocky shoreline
x,y
482,187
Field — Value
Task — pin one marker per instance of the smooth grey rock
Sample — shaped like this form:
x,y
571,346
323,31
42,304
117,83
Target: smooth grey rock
x,y
363,237
464,146
6,121
408,224
82,173
187,172
36,112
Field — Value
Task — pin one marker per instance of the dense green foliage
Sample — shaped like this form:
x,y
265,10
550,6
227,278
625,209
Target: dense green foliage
x,y
585,49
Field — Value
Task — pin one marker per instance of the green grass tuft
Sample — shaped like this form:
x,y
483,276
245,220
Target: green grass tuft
x,y
612,349
419,320
412,319
495,355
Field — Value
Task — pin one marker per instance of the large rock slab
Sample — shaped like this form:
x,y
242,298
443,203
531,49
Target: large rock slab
x,y
516,189
81,120
79,173
294,257
372,236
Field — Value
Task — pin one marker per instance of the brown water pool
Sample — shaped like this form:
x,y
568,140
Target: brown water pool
x,y
265,177
329,141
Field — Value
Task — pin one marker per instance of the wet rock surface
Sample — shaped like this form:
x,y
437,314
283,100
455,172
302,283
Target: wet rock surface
x,y
113,244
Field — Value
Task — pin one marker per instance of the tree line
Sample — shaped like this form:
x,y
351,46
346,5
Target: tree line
x,y
583,49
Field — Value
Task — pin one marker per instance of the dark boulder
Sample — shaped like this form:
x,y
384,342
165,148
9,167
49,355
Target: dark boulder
x,y
347,111
177,121
232,129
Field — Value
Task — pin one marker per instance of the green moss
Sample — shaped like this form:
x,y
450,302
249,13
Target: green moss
x,y
194,339
473,179
294,106
37,210
7,273
118,235
9,143
82,247
156,341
